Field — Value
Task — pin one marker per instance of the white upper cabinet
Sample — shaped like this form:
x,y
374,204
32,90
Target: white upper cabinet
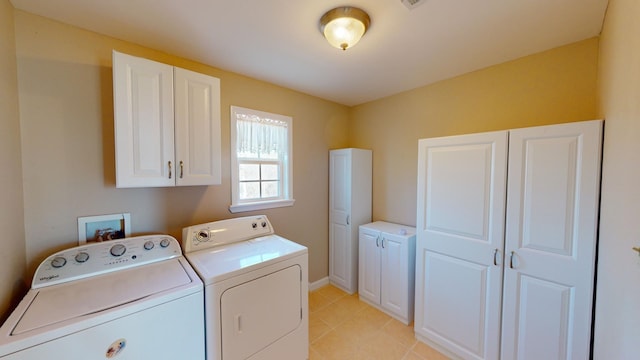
x,y
167,124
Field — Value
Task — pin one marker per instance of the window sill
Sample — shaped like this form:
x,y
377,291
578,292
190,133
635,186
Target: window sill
x,y
260,205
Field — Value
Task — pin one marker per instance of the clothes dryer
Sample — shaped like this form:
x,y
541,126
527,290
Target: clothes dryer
x,y
256,289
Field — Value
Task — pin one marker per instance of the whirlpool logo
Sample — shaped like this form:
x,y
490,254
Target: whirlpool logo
x,y
50,277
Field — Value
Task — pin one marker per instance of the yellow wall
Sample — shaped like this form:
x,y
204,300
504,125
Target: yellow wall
x,y
555,86
66,105
617,321
12,240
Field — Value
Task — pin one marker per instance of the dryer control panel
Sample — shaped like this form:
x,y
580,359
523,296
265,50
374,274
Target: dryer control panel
x,y
205,236
100,258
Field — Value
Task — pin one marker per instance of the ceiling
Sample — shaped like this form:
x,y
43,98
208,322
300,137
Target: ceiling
x,y
279,41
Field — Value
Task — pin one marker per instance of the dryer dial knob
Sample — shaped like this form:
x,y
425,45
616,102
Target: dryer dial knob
x,y
203,236
148,245
164,242
118,250
264,224
82,257
58,262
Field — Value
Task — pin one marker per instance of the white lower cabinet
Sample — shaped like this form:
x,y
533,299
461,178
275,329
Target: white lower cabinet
x,y
387,268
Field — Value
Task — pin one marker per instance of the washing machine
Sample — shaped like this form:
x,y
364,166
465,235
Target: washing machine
x,y
129,299
255,289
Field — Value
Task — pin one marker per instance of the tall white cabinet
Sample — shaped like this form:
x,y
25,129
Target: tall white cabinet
x,y
167,124
350,186
506,242
386,268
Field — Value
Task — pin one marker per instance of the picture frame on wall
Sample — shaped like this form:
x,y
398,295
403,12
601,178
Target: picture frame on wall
x,y
102,228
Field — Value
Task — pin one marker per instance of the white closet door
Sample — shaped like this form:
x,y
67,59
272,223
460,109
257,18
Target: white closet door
x,y
369,265
393,276
197,107
460,239
340,272
552,217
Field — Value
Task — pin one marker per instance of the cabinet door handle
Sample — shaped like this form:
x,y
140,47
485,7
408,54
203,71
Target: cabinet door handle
x,y
169,169
382,243
511,259
495,257
347,219
181,169
378,241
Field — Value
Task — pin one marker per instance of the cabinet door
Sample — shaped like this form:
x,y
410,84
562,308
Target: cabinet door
x,y
144,133
459,242
340,254
394,277
197,119
551,231
369,266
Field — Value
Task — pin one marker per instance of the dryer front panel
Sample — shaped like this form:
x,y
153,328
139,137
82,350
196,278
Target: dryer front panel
x,y
257,313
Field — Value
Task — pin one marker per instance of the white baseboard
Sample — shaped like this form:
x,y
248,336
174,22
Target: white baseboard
x,y
318,284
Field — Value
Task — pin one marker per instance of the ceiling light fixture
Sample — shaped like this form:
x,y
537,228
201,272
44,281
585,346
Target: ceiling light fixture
x,y
344,26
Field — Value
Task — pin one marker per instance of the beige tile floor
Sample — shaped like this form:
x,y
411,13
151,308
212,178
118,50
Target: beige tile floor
x,y
341,327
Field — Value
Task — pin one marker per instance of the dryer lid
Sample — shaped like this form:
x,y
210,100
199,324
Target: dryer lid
x,y
92,295
229,260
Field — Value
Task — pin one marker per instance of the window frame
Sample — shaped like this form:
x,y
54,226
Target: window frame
x,y
286,171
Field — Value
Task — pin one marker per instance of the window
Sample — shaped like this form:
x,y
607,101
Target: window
x,y
261,164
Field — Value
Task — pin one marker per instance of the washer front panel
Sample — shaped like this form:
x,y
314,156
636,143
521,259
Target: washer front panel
x,y
167,331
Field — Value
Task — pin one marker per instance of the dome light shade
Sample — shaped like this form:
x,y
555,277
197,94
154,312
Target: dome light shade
x,y
344,26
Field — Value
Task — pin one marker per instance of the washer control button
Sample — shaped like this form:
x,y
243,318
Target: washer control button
x,y
264,224
58,262
164,242
254,225
148,245
82,257
118,250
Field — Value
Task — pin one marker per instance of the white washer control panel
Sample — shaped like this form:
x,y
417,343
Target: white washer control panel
x,y
99,258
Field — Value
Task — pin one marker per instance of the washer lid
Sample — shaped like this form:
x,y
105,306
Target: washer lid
x,y
225,261
74,299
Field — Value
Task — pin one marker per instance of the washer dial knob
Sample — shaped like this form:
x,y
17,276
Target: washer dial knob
x,y
164,242
82,257
148,245
118,250
58,262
